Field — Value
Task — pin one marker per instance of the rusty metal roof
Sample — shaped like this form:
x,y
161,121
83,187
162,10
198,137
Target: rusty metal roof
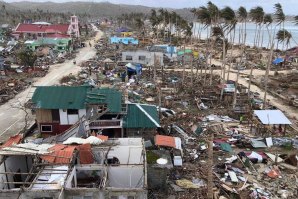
x,y
13,140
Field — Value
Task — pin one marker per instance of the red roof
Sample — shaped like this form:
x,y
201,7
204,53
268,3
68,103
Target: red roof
x,y
162,140
62,154
36,28
57,35
85,154
103,137
12,140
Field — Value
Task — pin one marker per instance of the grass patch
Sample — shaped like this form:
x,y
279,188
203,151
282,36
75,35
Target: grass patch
x,y
151,157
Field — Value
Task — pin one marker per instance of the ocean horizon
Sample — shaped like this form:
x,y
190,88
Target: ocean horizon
x,y
250,30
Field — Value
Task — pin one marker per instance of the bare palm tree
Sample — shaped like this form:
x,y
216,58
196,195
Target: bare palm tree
x,y
268,22
280,19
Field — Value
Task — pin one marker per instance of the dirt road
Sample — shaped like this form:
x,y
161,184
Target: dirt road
x,y
12,117
280,104
289,110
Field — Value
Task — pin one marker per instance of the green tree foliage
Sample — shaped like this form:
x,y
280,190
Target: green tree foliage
x,y
27,57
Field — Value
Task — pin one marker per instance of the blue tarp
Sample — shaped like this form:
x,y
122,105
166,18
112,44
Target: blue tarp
x,y
135,68
123,40
278,60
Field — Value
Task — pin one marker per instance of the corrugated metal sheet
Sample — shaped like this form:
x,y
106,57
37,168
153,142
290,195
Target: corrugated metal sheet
x,y
76,97
109,96
60,97
13,140
85,154
141,116
162,140
272,117
62,154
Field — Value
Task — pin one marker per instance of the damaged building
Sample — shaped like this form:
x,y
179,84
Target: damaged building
x,y
98,169
58,108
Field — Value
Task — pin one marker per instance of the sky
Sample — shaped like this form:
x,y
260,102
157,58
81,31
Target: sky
x,y
289,6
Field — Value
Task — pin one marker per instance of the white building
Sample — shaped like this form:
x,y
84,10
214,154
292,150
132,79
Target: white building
x,y
143,57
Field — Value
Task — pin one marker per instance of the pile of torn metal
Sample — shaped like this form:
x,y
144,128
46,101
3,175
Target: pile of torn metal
x,y
78,148
246,162
95,167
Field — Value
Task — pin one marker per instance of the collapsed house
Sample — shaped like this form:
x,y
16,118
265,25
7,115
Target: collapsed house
x,y
58,108
102,169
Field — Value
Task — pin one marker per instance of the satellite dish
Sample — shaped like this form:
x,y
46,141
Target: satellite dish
x,y
162,161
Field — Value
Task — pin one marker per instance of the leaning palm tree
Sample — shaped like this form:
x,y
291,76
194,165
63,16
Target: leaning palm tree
x,y
215,19
268,22
205,18
284,36
280,19
242,17
257,15
194,12
230,21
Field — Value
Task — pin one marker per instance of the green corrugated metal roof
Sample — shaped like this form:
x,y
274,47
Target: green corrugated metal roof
x,y
76,97
60,97
109,96
141,116
182,52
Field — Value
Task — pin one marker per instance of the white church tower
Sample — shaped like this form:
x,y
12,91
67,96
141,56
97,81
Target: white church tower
x,y
74,26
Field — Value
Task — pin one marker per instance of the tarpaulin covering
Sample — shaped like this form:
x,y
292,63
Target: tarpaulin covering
x,y
278,60
136,68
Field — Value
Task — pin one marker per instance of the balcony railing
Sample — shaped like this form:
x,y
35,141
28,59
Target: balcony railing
x,y
105,124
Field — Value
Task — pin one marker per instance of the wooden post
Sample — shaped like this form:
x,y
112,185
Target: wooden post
x,y
210,165
159,101
154,69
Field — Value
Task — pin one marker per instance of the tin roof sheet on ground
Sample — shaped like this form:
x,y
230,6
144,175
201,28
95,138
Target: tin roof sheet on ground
x,y
272,117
